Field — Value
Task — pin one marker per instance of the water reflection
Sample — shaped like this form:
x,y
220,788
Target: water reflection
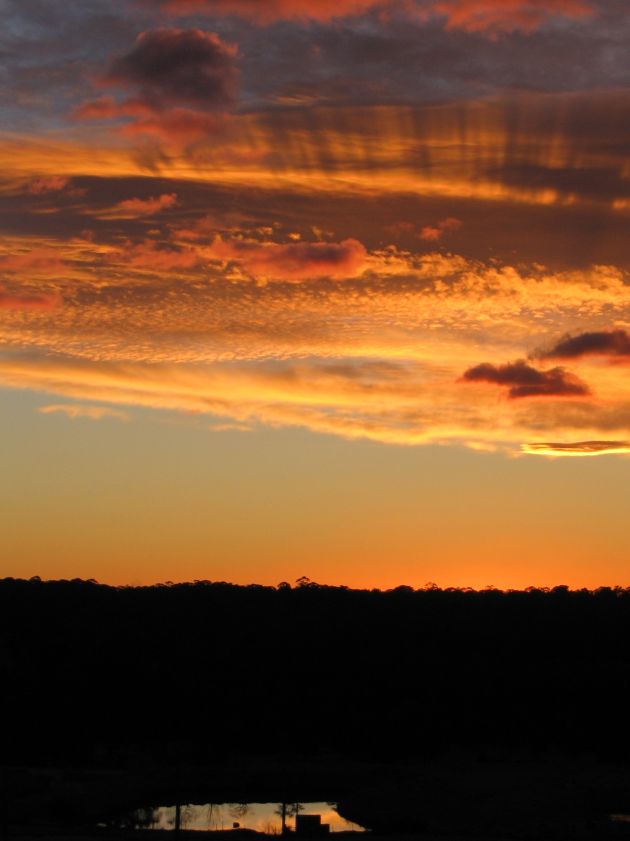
x,y
260,817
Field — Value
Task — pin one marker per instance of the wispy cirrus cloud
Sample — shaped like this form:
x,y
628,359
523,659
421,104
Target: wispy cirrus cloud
x,y
270,10
500,16
487,16
78,410
577,448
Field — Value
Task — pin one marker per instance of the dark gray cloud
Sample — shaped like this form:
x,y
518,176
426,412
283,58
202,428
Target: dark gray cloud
x,y
522,380
612,343
178,84
177,67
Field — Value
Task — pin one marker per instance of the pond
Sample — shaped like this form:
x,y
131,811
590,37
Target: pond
x,y
261,817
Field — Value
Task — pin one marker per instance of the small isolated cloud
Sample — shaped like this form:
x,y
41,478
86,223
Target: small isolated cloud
x,y
231,427
46,185
177,82
522,380
294,260
577,448
146,207
76,410
433,233
49,184
612,343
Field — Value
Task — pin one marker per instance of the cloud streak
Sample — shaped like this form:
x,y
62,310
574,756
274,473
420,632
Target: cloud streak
x,y
271,10
578,448
501,16
486,16
76,410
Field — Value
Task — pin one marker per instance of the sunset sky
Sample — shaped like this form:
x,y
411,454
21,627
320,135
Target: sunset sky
x,y
336,288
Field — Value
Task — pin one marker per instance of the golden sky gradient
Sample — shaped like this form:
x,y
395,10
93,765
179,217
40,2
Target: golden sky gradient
x,y
327,290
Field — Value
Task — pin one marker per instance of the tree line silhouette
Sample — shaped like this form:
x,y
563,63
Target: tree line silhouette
x,y
97,675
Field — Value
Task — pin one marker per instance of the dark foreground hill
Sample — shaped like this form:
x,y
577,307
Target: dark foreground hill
x,y
95,675
452,713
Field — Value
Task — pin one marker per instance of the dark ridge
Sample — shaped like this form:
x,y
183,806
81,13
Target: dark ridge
x,y
103,675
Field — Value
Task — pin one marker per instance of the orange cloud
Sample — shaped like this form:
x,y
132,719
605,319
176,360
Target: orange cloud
x,y
175,327
102,108
31,301
268,11
147,207
148,255
489,16
38,259
433,233
326,149
578,448
496,16
292,261
178,125
47,184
